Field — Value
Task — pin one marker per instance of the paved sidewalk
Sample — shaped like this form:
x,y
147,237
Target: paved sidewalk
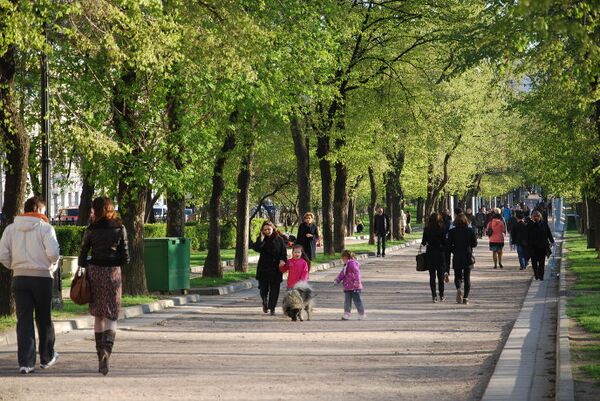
x,y
225,348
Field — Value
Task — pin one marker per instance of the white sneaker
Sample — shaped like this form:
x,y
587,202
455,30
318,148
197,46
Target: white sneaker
x,y
362,317
51,363
346,316
25,369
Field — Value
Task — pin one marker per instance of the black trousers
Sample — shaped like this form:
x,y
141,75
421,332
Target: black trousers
x,y
439,273
33,294
380,244
269,291
538,261
463,275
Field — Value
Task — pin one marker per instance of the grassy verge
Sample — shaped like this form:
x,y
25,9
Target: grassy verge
x,y
197,258
229,276
585,308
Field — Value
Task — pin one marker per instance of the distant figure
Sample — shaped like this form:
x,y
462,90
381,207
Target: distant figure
x,y
308,234
30,249
360,227
539,239
480,221
518,238
434,239
408,228
381,229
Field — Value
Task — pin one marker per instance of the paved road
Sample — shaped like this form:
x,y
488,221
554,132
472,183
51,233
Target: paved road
x,y
225,348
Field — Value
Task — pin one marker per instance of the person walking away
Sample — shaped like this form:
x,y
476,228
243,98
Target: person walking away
x,y
461,241
506,213
273,256
30,249
470,218
434,240
498,229
539,238
106,239
480,221
381,228
350,277
518,238
308,234
408,228
297,267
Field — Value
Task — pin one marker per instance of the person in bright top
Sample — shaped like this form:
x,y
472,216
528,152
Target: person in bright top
x,y
297,267
30,249
496,230
350,277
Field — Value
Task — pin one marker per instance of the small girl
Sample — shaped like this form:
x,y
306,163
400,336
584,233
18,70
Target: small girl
x,y
297,267
350,276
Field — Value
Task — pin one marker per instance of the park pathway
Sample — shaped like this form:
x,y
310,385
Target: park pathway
x,y
225,348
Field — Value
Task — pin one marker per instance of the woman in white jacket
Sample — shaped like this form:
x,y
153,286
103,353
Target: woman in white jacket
x,y
29,248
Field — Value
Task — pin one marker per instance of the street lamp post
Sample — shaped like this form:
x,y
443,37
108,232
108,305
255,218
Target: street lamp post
x,y
57,301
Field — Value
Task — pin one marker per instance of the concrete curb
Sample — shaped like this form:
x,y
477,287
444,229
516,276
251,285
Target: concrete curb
x,y
564,387
85,322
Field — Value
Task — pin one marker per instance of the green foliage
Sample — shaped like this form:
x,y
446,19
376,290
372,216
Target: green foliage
x,y
155,230
69,239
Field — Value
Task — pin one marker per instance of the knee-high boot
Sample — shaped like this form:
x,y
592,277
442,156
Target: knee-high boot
x,y
108,340
99,348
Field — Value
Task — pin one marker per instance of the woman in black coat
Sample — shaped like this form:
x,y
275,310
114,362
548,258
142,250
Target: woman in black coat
x,y
461,241
308,234
539,238
434,240
273,255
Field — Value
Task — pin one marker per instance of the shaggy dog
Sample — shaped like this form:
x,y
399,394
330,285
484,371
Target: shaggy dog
x,y
297,299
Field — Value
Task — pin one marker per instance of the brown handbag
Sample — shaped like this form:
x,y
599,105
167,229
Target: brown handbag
x,y
80,287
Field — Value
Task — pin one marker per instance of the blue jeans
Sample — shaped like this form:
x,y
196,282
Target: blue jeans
x,y
522,254
349,296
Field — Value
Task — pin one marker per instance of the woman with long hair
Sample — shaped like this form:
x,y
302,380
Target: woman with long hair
x,y
434,240
106,238
461,241
273,256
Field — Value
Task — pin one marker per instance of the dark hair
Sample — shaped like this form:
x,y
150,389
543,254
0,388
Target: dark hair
x,y
104,208
461,220
434,220
519,214
269,223
34,204
457,210
303,255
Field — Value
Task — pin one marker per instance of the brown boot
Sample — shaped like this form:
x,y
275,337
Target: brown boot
x,y
99,349
108,340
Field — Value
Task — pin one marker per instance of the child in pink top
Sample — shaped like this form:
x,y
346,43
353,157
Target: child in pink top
x,y
297,267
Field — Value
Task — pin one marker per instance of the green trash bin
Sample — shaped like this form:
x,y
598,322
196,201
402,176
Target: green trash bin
x,y
167,263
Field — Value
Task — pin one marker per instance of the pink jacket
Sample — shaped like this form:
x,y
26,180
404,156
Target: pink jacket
x,y
297,271
350,276
498,231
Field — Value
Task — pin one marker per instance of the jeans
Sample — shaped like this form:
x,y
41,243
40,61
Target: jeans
x,y
439,272
350,296
33,294
522,254
381,244
463,275
269,292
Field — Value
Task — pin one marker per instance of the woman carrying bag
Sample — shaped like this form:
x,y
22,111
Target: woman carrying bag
x,y
434,239
107,239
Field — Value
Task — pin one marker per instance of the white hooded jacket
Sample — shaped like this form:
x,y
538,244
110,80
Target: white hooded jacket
x,y
29,247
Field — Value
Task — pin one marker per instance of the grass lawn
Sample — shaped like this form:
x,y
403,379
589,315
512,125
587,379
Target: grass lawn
x,y
229,276
197,258
585,308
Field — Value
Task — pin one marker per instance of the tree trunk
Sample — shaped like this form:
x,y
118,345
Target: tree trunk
x,y
340,207
150,202
372,205
16,145
350,223
175,214
243,211
389,204
85,199
326,192
420,206
212,264
301,149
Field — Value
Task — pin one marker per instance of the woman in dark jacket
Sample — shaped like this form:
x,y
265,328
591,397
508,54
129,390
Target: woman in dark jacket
x,y
461,241
539,238
308,234
107,239
434,239
273,255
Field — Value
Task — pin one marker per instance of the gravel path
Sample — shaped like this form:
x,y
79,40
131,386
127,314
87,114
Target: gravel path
x,y
225,348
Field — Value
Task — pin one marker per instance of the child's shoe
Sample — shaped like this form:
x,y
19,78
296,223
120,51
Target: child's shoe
x,y
363,316
346,316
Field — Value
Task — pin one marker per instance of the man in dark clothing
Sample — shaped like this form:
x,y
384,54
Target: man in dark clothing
x,y
480,221
381,229
518,237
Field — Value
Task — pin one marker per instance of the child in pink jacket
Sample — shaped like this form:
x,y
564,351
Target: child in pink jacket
x,y
350,277
297,267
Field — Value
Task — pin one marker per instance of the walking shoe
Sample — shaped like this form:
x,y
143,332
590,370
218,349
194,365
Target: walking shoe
x,y
502,267
272,312
362,317
495,267
378,255
25,369
346,316
459,298
383,255
465,301
446,278
434,299
442,298
51,363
